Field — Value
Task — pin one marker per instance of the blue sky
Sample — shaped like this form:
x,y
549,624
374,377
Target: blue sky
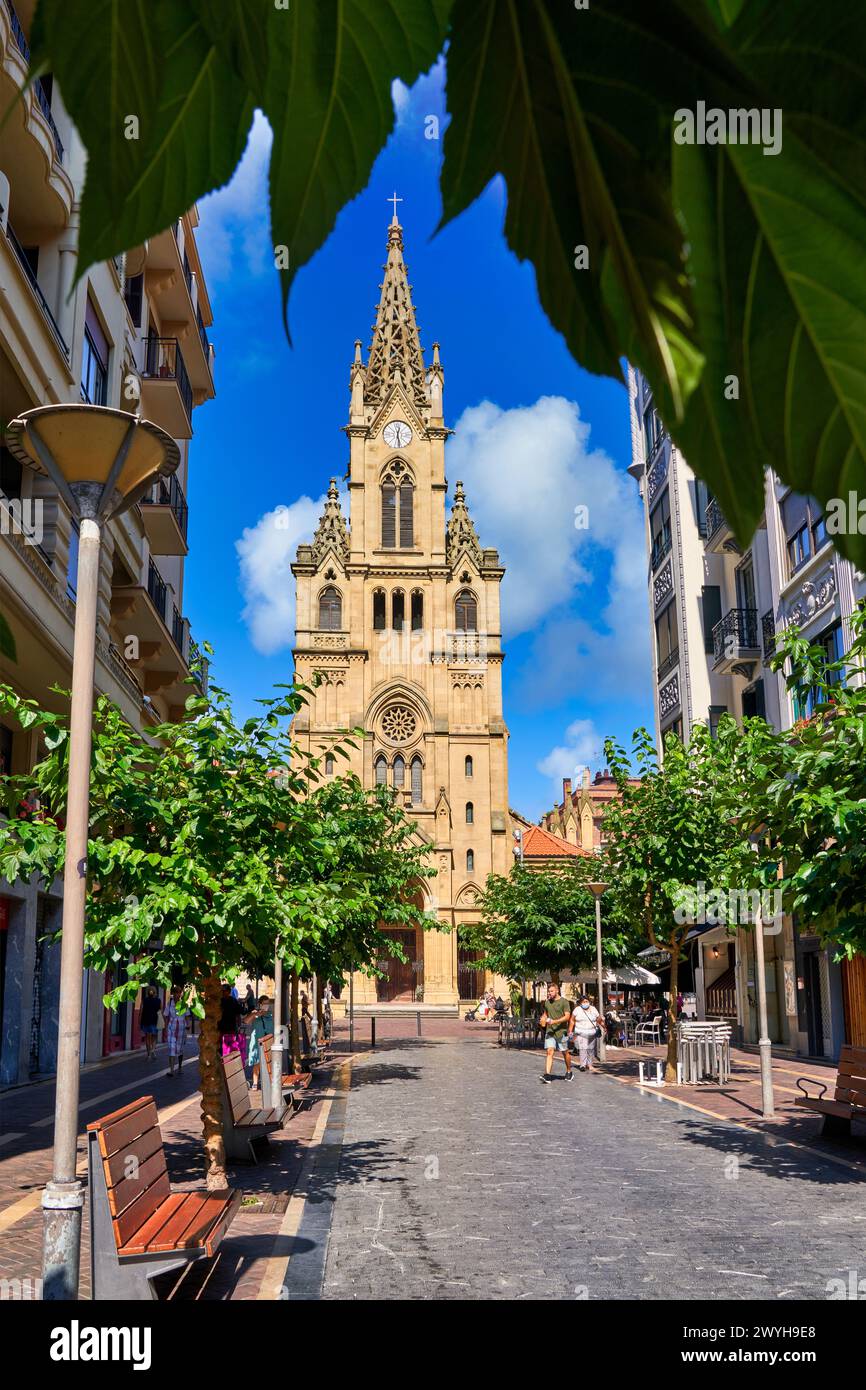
x,y
535,437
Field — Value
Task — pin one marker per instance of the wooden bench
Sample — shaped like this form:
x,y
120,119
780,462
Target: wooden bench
x,y
242,1125
849,1097
139,1227
293,1084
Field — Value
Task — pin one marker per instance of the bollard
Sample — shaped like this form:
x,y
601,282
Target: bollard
x,y
419,1023
679,1073
658,1073
265,1078
640,1069
373,1031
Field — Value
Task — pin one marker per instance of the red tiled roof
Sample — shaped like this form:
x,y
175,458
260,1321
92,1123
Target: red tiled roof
x,y
542,844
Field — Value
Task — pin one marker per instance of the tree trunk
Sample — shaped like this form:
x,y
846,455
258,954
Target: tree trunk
x,y
294,1033
211,1087
671,1060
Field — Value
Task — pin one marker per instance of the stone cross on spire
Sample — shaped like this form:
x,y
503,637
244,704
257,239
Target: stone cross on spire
x,y
395,352
395,200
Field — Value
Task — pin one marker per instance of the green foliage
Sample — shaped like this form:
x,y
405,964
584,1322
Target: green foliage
x,y
706,262
536,921
212,847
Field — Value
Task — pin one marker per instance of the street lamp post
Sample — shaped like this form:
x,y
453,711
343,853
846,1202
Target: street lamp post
x,y
101,461
765,1046
276,1077
597,889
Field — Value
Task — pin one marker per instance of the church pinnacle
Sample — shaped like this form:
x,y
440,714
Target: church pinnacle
x,y
461,533
331,533
395,351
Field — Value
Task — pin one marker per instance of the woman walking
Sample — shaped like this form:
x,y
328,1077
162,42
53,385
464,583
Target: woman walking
x,y
176,1018
586,1023
263,1022
149,1021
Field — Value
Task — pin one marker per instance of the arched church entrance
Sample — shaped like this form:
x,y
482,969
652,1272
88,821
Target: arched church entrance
x,y
403,980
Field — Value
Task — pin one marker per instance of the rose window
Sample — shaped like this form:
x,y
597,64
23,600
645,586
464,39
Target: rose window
x,y
398,723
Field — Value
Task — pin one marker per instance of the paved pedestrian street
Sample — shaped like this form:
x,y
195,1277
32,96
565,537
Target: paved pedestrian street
x,y
460,1176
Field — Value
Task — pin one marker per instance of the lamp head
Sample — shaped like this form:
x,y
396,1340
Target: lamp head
x,y
101,460
597,888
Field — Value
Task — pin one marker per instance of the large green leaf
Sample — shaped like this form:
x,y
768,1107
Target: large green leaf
x,y
327,95
574,109
154,61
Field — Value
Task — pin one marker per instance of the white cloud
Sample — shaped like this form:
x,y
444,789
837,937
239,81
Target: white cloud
x,y
235,221
266,552
583,747
526,471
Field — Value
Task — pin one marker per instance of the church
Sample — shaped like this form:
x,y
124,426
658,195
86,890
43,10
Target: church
x,y
398,607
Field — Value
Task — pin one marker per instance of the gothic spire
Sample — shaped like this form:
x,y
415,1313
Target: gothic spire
x,y
395,352
461,533
331,533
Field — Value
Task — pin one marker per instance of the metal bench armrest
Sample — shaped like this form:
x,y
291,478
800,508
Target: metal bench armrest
x,y
804,1081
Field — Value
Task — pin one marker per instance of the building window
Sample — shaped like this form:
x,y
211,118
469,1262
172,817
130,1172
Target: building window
x,y
329,764
398,610
398,509
330,610
379,619
466,612
805,531
381,770
654,430
94,360
417,781
399,773
711,613
667,639
715,713
417,610
703,498
660,529
675,728
807,701
72,563
470,861
754,706
10,475
467,767
470,813
133,294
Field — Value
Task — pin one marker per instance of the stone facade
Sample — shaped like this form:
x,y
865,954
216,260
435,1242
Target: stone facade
x,y
398,608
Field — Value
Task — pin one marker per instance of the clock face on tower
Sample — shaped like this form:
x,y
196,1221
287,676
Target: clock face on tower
x,y
397,434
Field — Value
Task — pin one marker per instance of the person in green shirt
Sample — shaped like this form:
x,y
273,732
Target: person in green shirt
x,y
556,1022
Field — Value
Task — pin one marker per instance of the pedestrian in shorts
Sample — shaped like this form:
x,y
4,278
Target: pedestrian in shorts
x,y
555,1021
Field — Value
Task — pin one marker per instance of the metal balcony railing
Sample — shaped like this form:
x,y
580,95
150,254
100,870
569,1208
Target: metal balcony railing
x,y
167,492
738,630
38,85
178,630
661,548
715,518
35,286
768,632
157,590
668,664
163,360
202,331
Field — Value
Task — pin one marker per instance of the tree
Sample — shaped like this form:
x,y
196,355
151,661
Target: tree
x,y
670,215
540,921
675,833
805,792
206,854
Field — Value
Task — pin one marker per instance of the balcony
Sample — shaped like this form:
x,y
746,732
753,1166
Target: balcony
x,y
35,289
166,393
660,548
671,660
173,284
768,633
146,613
466,646
720,538
42,189
164,514
735,642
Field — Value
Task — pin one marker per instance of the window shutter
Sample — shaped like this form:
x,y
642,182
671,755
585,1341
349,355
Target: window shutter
x,y
711,612
389,515
407,493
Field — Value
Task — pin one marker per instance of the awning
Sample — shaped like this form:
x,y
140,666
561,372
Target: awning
x,y
634,975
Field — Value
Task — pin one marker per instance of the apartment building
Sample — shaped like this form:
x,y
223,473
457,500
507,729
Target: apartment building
x,y
716,609
132,334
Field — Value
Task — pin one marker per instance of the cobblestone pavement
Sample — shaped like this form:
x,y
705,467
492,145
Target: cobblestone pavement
x,y
450,1172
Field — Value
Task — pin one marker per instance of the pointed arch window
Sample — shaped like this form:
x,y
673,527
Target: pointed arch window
x,y
467,767
398,508
466,612
398,610
399,773
329,764
417,773
470,861
330,609
379,620
470,813
417,610
381,770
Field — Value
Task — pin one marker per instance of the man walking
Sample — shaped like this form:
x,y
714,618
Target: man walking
x,y
555,1021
